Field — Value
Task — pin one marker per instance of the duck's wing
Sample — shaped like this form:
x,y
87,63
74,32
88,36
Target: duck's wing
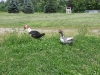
x,y
34,33
69,38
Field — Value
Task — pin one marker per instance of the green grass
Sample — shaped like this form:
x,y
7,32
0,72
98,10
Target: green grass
x,y
58,20
22,55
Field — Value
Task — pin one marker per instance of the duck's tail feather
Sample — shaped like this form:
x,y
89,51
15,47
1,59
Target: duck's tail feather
x,y
42,34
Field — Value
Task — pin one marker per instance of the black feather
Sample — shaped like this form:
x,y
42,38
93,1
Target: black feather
x,y
36,34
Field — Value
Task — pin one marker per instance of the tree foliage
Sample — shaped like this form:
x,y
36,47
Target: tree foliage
x,y
57,5
82,5
2,7
13,7
50,7
79,6
28,7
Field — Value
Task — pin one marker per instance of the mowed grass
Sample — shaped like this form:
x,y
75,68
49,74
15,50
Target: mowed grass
x,y
21,54
57,20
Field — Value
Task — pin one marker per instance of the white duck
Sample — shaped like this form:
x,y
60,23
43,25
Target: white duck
x,y
65,40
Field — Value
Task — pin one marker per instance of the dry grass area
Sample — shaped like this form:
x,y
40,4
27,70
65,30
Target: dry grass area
x,y
67,32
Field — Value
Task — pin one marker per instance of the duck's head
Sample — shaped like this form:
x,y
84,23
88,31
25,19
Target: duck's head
x,y
59,31
26,27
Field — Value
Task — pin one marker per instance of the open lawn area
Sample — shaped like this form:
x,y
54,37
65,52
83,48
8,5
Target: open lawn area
x,y
57,20
21,54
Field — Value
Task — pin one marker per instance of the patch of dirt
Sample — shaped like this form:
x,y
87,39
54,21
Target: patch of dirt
x,y
21,30
96,31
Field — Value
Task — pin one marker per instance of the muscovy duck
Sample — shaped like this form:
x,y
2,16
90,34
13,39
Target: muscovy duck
x,y
34,34
65,40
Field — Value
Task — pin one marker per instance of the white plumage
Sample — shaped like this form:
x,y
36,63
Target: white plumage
x,y
64,39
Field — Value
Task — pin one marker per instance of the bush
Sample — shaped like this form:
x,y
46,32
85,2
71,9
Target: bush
x,y
50,7
2,6
61,9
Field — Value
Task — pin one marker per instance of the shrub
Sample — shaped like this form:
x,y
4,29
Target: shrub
x,y
2,6
50,7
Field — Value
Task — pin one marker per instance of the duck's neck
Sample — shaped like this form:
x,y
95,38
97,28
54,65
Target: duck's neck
x,y
61,34
29,29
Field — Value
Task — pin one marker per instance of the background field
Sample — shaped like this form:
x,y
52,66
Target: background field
x,y
22,55
49,20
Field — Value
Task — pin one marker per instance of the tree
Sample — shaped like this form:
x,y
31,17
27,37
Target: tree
x,y
39,5
28,7
13,7
93,4
50,7
79,5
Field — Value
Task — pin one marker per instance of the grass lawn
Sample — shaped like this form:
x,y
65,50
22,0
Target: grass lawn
x,y
23,55
57,20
